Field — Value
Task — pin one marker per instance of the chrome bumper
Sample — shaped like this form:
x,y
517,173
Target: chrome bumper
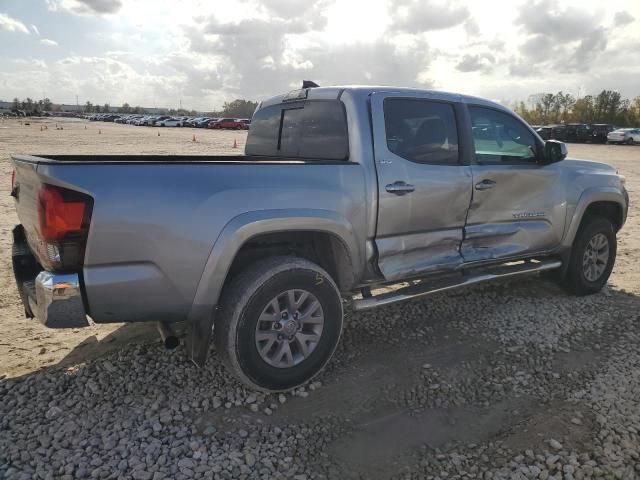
x,y
55,299
58,302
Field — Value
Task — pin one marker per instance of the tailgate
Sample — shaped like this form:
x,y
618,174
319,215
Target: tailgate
x,y
26,185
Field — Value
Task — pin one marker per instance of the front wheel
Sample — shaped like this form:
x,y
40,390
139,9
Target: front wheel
x,y
279,323
592,256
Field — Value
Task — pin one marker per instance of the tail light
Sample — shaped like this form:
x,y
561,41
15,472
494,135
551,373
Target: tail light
x,y
63,218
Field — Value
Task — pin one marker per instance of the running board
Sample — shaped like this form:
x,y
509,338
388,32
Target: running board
x,y
426,287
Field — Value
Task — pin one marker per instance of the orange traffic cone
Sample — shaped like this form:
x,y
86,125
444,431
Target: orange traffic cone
x,y
235,144
99,132
194,138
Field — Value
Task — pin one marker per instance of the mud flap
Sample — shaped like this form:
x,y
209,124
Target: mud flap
x,y
199,337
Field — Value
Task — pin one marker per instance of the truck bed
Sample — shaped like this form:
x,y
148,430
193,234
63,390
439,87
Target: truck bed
x,y
157,218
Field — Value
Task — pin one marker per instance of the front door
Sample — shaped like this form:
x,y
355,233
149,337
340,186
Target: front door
x,y
518,206
424,185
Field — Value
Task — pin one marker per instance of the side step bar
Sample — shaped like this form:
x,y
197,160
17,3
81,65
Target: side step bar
x,y
426,287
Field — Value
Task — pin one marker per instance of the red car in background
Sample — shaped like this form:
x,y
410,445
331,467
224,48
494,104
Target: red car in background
x,y
229,123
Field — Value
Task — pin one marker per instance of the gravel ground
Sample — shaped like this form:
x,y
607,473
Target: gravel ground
x,y
514,380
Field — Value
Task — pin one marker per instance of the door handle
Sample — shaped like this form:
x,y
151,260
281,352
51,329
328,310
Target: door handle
x,y
399,188
485,184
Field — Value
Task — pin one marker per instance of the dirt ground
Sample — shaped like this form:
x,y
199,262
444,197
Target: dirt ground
x,y
466,367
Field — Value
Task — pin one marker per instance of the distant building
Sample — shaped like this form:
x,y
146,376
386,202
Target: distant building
x,y
71,108
5,106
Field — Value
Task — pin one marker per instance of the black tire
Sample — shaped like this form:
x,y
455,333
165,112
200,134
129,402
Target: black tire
x,y
243,301
575,280
630,141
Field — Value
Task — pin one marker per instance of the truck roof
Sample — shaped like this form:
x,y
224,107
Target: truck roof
x,y
334,92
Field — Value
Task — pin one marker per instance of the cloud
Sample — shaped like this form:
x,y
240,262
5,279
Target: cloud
x,y
476,63
567,40
35,29
48,42
623,18
86,7
11,24
256,57
416,16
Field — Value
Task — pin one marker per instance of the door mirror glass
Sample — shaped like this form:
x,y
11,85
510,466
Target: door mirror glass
x,y
554,151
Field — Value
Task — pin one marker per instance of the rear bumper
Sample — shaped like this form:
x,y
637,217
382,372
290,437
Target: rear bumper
x,y
55,299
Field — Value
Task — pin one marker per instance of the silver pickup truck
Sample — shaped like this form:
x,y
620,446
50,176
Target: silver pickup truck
x,y
341,191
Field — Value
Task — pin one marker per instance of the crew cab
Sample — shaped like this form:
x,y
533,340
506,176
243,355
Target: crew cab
x,y
341,191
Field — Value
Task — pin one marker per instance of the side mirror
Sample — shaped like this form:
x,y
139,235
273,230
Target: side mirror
x,y
554,151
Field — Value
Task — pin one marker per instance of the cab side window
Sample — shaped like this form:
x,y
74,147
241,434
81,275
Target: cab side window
x,y
422,131
501,138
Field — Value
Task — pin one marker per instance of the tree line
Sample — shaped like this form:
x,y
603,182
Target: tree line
x,y
31,106
606,107
237,108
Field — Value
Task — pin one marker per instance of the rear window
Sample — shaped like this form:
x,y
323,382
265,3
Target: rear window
x,y
315,129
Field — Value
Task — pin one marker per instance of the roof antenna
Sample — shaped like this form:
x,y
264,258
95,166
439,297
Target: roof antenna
x,y
309,84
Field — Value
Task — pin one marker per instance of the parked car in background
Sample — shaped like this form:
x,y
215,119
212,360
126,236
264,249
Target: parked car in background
x,y
578,132
247,122
559,132
155,120
170,122
599,132
228,123
624,135
191,122
545,132
204,122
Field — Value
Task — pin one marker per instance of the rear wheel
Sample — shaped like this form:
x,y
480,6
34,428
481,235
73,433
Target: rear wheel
x,y
630,141
279,323
592,256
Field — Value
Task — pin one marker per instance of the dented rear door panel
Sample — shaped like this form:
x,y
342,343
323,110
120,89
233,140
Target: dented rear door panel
x,y
421,231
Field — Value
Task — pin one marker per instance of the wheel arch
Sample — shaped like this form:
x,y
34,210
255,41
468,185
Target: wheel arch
x,y
333,234
607,202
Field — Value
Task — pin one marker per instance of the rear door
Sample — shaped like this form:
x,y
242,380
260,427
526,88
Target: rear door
x,y
424,182
519,204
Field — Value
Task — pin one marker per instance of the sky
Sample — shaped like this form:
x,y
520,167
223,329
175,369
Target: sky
x,y
199,54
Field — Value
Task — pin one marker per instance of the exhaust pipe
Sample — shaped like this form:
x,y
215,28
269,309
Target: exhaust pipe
x,y
168,336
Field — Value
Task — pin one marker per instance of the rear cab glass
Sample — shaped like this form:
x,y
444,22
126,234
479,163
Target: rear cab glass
x,y
311,129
